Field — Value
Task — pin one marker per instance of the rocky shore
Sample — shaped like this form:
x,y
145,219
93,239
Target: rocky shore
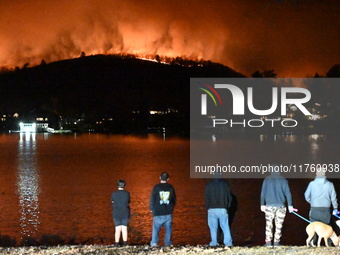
x,y
110,249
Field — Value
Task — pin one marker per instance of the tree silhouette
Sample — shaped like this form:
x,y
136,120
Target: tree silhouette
x,y
265,74
4,69
158,59
334,71
257,74
269,74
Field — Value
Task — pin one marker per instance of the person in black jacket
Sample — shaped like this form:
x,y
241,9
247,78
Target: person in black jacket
x,y
217,201
121,211
162,202
274,195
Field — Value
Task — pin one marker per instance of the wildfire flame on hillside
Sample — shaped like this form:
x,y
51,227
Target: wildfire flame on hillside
x,y
294,38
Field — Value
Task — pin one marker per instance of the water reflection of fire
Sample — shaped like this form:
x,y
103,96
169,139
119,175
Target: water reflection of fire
x,y
314,140
28,185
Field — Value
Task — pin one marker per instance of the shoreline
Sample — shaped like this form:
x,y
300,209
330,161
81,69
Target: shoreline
x,y
146,249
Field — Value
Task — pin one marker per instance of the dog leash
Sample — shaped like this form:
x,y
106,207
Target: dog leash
x,y
301,217
336,216
308,220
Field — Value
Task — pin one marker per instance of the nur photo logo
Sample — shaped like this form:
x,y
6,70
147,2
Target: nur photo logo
x,y
271,101
212,93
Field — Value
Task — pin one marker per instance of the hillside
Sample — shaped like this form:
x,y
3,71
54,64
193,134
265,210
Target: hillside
x,y
102,86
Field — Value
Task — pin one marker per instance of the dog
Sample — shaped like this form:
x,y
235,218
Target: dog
x,y
323,231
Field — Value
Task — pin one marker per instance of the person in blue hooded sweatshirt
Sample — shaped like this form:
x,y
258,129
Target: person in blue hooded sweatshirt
x,y
321,196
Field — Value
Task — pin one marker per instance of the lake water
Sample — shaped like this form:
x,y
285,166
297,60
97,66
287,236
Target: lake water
x,y
55,189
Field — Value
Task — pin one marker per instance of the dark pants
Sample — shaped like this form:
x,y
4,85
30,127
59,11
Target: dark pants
x,y
322,214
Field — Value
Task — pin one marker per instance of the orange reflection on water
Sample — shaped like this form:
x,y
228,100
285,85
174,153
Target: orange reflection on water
x,y
64,182
78,173
28,185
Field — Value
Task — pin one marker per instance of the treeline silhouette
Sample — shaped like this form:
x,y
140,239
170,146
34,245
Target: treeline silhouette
x,y
118,91
120,87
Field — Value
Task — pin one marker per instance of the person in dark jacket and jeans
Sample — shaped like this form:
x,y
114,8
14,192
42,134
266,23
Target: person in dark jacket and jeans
x,y
162,202
274,195
217,201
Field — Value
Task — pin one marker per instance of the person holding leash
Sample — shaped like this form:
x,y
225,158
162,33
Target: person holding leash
x,y
274,195
321,195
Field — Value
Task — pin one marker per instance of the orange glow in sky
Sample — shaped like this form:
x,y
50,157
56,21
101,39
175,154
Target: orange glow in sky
x,y
296,38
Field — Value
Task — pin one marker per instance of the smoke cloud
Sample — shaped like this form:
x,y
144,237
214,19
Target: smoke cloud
x,y
294,37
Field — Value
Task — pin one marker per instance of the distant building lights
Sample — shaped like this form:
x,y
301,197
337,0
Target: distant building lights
x,y
314,117
292,107
28,127
158,112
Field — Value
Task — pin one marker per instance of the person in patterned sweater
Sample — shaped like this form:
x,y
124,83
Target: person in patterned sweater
x,y
275,194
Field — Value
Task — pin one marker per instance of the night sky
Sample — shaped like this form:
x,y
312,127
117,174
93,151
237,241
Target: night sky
x,y
297,38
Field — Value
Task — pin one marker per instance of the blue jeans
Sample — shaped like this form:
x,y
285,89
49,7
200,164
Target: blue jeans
x,y
158,222
219,216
